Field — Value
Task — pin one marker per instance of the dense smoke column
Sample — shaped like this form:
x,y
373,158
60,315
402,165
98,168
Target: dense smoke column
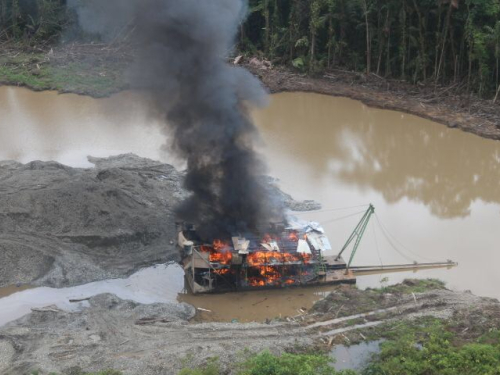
x,y
182,46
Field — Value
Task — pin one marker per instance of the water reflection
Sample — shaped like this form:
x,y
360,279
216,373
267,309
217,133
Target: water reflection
x,y
67,128
355,357
445,169
435,188
160,283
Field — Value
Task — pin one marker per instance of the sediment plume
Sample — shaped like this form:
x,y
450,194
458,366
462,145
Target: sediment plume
x,y
182,48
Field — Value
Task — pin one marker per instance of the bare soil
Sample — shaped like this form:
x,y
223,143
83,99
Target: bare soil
x,y
158,339
63,226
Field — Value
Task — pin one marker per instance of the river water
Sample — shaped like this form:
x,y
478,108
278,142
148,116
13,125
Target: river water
x,y
435,189
161,283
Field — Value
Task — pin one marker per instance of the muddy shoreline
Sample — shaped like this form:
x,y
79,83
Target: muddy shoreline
x,y
100,70
157,338
64,226
473,115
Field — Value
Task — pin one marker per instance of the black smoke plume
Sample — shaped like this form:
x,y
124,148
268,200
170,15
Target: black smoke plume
x,y
182,46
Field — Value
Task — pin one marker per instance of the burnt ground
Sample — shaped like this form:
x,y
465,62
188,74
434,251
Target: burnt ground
x,y
63,226
159,339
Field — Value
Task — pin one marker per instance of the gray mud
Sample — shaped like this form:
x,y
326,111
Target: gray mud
x,y
133,338
158,339
63,226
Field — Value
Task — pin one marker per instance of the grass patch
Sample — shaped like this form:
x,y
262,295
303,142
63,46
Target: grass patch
x,y
266,363
24,69
93,75
414,286
348,300
429,347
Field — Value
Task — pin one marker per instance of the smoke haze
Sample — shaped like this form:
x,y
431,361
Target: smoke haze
x,y
182,47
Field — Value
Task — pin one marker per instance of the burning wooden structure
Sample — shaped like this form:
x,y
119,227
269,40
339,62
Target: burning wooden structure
x,y
278,257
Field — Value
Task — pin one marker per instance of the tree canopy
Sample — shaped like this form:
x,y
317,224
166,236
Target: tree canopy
x,y
453,42
442,41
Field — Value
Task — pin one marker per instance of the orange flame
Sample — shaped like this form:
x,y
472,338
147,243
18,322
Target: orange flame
x,y
219,252
306,258
224,258
222,272
293,236
269,267
260,258
255,281
289,258
219,245
269,276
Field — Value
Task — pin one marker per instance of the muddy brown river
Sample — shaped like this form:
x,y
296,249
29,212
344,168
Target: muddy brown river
x,y
435,189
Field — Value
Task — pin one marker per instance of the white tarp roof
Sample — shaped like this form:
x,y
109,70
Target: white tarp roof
x,y
270,246
319,241
241,245
303,247
305,226
315,233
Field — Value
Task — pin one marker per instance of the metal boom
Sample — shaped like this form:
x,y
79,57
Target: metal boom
x,y
358,233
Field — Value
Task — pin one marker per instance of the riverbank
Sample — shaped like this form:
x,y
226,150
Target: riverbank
x,y
440,104
66,226
100,70
93,69
152,339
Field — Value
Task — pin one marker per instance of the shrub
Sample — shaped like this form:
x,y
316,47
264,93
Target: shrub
x,y
266,363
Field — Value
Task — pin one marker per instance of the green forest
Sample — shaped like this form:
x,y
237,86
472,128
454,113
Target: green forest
x,y
31,21
445,42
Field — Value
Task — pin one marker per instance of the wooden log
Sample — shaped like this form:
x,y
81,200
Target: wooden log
x,y
79,300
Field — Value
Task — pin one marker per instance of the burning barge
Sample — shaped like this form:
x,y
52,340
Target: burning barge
x,y
289,257
281,257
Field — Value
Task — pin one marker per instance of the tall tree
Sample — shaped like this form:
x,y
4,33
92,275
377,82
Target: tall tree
x,y
452,4
365,5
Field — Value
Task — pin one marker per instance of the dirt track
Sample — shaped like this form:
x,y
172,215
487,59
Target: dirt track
x,y
155,339
138,339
